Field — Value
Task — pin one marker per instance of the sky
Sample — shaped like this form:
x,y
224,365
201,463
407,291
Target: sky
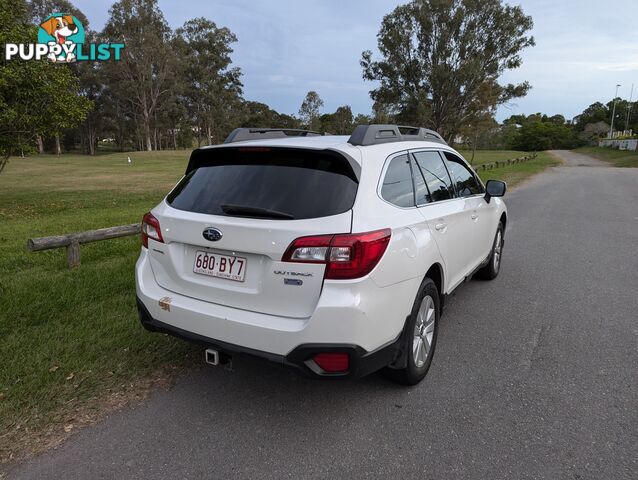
x,y
287,47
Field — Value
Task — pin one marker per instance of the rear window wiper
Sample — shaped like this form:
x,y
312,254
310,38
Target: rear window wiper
x,y
247,211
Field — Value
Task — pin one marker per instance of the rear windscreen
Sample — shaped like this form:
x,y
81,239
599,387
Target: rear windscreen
x,y
262,183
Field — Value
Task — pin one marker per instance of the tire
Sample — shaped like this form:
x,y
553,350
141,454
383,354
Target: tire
x,y
490,271
423,320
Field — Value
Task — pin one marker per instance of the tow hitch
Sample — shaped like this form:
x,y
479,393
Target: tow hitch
x,y
214,357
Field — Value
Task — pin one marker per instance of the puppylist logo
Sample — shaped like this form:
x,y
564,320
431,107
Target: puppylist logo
x,y
61,39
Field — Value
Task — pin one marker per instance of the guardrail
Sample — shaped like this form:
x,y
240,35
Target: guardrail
x,y
73,241
504,163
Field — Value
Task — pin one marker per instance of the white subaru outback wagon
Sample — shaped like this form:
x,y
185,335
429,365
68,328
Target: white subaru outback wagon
x,y
329,254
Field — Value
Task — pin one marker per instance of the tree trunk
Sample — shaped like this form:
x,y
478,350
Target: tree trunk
x,y
91,143
174,139
90,134
40,142
120,137
209,135
58,147
474,147
147,132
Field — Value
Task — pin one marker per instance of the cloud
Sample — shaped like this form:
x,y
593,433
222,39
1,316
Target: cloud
x,y
282,79
287,47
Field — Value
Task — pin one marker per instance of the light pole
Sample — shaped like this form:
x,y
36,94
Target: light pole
x,y
631,97
613,113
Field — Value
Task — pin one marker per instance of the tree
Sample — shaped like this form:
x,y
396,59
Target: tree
x,y
515,120
593,131
555,119
40,9
441,61
36,98
596,112
535,135
479,133
343,120
212,89
362,119
309,111
339,122
257,114
92,88
142,76
626,116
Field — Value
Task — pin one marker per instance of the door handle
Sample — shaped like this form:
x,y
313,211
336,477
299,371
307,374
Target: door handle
x,y
474,216
440,226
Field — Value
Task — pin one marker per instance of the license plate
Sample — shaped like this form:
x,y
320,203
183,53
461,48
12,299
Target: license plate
x,y
221,266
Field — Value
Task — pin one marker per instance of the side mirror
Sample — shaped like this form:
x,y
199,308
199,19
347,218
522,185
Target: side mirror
x,y
494,188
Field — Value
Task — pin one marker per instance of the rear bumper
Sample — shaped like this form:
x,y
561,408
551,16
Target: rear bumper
x,y
359,318
361,362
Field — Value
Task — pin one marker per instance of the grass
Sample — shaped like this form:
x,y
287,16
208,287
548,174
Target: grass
x,y
618,158
69,339
513,174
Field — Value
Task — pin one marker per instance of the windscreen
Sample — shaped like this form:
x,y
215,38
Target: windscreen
x,y
262,183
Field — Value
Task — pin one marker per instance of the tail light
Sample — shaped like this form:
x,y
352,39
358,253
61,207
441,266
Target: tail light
x,y
151,229
346,256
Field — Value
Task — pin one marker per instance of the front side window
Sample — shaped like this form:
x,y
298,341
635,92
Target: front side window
x,y
397,183
462,177
431,169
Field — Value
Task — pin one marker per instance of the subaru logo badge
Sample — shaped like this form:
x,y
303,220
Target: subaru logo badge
x,y
212,234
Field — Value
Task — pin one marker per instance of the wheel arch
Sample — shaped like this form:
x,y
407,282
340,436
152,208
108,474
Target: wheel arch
x,y
435,273
503,220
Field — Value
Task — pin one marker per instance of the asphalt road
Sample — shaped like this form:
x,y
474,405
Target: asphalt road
x,y
535,375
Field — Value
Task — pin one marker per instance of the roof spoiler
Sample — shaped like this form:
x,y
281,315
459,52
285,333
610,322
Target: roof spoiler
x,y
243,134
376,134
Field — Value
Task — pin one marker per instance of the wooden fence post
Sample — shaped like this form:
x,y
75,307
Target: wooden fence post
x,y
73,254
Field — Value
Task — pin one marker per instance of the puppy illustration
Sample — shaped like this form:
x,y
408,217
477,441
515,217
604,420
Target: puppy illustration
x,y
70,57
60,27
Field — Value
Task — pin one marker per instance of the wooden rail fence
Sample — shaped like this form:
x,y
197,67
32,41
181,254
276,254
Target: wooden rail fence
x,y
504,163
73,241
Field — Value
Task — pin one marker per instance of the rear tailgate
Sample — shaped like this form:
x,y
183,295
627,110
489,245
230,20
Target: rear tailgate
x,y
316,189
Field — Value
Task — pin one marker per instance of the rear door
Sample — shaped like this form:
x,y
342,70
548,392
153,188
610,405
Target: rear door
x,y
228,222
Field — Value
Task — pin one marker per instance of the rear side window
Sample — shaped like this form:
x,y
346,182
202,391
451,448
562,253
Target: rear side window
x,y
397,183
264,183
463,178
430,167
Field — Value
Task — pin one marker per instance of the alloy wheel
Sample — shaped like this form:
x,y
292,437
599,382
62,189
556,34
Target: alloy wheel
x,y
423,331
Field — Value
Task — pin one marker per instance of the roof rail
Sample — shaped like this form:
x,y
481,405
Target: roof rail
x,y
376,134
242,134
